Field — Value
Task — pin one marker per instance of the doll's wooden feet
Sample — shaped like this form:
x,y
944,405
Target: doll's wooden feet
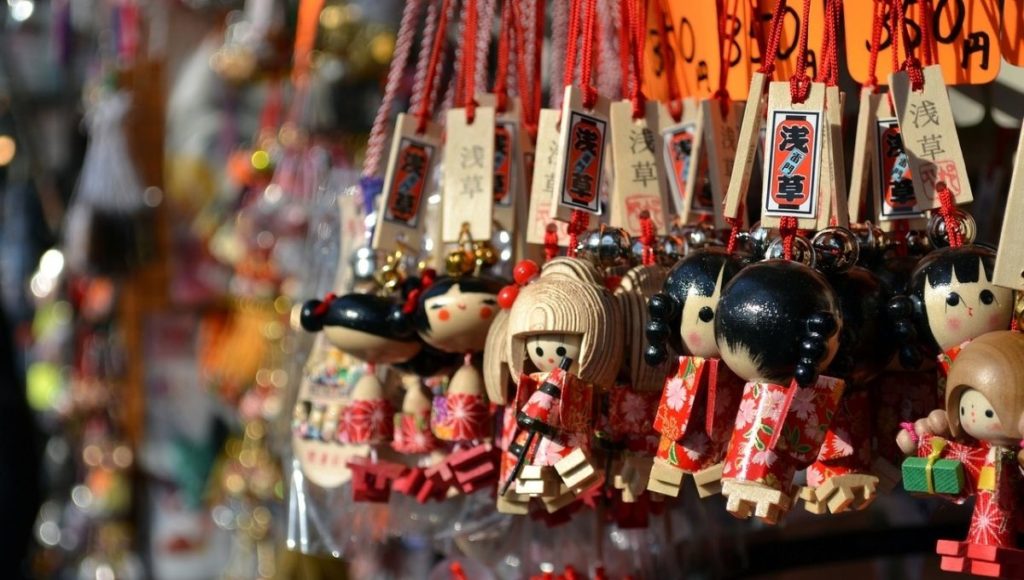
x,y
841,493
709,480
513,503
664,479
995,561
633,476
746,499
577,472
562,498
537,481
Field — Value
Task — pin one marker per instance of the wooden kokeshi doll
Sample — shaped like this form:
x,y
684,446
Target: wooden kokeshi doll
x,y
565,313
842,476
777,327
985,412
700,395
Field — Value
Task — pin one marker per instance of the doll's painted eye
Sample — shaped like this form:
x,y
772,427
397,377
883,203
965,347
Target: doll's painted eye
x,y
963,411
987,297
560,351
989,413
539,351
706,314
953,299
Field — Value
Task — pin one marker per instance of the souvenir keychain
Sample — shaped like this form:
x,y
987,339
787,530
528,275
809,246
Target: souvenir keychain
x,y
565,342
984,412
700,398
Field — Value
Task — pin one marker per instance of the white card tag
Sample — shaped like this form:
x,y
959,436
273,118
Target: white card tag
x,y
584,136
747,146
721,137
468,196
637,183
542,183
406,182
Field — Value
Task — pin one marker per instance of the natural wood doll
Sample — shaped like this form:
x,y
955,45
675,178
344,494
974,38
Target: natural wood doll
x,y
563,314
700,398
985,412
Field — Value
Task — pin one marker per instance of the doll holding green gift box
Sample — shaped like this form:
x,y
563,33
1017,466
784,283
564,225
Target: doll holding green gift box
x,y
981,428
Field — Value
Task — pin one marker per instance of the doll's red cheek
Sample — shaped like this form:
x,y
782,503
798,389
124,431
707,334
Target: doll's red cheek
x,y
486,313
693,339
995,320
953,324
444,315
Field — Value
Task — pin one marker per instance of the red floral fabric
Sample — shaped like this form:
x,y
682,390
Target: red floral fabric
x,y
464,418
779,430
629,419
413,434
847,446
571,416
696,413
368,422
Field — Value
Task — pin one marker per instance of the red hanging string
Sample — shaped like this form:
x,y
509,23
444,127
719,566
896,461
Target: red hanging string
x,y
426,102
550,242
501,75
911,65
948,212
637,35
469,60
530,109
734,229
878,12
589,55
787,229
828,72
647,238
800,83
924,15
538,43
675,105
771,50
570,51
625,45
578,223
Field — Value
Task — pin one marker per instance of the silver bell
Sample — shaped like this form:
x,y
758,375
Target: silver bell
x,y
802,251
835,250
605,247
937,228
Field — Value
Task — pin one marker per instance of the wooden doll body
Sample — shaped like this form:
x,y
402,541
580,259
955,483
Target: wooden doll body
x,y
412,425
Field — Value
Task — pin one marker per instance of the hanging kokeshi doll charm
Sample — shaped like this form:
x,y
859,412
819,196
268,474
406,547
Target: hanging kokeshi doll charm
x,y
777,327
984,412
700,395
842,478
453,314
565,338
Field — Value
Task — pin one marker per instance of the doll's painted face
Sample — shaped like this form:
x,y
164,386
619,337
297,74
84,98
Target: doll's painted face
x,y
316,416
459,321
697,326
546,351
959,311
979,419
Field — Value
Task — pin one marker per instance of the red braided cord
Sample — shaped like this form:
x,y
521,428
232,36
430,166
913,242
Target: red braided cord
x,y
734,233
550,242
828,73
947,210
924,15
469,60
589,55
403,44
578,223
771,50
571,47
800,83
537,47
911,65
426,104
878,9
625,45
895,21
501,75
787,229
647,237
522,76
637,32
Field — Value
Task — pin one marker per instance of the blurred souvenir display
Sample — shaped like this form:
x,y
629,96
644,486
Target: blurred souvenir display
x,y
511,289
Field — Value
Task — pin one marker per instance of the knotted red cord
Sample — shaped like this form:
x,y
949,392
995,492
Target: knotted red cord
x,y
947,210
578,223
647,237
787,229
878,13
550,242
724,62
426,102
637,35
800,83
771,50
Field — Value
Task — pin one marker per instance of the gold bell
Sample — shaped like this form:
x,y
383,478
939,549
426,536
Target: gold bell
x,y
484,254
459,263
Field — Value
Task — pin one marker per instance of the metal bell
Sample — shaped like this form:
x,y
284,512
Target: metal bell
x,y
937,228
835,250
755,241
364,264
802,251
605,247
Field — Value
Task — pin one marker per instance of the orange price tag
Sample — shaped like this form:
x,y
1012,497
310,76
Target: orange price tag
x,y
964,32
695,29
1011,41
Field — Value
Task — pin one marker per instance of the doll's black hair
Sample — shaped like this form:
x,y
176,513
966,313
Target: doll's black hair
x,y
430,362
697,273
907,312
866,342
442,285
782,313
376,315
